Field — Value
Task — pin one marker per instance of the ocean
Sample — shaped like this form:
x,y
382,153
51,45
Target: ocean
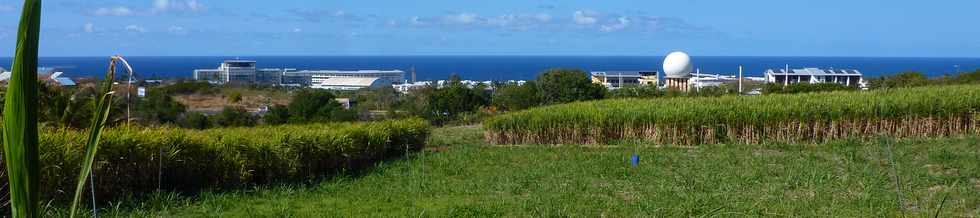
x,y
504,67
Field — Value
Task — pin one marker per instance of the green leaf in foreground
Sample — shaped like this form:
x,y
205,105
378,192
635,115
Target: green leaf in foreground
x,y
20,136
98,123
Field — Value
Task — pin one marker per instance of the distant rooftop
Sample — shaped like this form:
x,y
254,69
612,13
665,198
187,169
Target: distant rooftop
x,y
348,71
64,81
348,81
816,72
625,73
239,61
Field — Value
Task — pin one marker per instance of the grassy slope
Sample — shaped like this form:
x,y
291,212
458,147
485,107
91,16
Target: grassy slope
x,y
468,178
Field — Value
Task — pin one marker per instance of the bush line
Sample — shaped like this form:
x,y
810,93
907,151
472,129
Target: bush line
x,y
128,163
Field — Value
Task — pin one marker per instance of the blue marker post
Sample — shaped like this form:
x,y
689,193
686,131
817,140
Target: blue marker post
x,y
635,160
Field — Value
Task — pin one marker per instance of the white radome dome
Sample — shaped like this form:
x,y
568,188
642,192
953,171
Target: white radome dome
x,y
678,65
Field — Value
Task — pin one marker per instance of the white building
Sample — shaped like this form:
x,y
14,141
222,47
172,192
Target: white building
x,y
239,71
407,87
305,77
4,74
847,77
616,79
49,75
245,71
347,83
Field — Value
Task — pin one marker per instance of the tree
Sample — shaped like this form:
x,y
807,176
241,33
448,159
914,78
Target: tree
x,y
234,116
159,107
278,114
641,91
195,121
558,86
513,96
967,78
310,105
900,80
776,88
454,98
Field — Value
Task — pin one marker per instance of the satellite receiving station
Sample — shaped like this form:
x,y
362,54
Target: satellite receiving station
x,y
677,70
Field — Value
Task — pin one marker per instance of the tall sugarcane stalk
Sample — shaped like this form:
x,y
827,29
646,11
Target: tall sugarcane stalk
x,y
101,114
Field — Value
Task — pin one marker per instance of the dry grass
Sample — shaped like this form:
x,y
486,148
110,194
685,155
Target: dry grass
x,y
251,99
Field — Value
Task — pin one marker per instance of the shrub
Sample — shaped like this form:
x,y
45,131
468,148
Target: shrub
x,y
812,117
776,88
310,105
160,108
235,97
558,86
234,116
446,103
278,114
129,161
195,120
900,80
513,97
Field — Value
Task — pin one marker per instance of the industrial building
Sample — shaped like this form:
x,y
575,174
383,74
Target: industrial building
x,y
239,71
616,79
305,77
347,83
847,77
245,71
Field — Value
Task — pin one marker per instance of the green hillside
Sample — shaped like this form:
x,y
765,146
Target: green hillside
x,y
460,175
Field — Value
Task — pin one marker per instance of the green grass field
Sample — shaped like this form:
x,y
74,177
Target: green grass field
x,y
462,176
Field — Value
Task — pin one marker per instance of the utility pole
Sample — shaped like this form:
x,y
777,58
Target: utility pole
x,y
620,79
740,79
786,72
697,81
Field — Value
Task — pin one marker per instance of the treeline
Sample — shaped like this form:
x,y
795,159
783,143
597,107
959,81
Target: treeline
x,y
915,79
453,102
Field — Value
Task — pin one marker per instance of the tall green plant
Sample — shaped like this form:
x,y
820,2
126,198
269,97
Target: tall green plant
x,y
101,114
20,136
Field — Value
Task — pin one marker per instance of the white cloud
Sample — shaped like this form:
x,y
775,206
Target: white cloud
x,y
135,28
115,11
519,21
619,24
89,27
462,18
193,5
6,8
542,17
161,5
416,21
177,30
297,30
585,17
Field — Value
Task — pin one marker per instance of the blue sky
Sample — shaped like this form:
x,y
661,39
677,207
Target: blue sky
x,y
502,27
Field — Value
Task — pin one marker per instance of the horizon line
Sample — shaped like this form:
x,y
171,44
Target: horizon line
x,y
507,55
